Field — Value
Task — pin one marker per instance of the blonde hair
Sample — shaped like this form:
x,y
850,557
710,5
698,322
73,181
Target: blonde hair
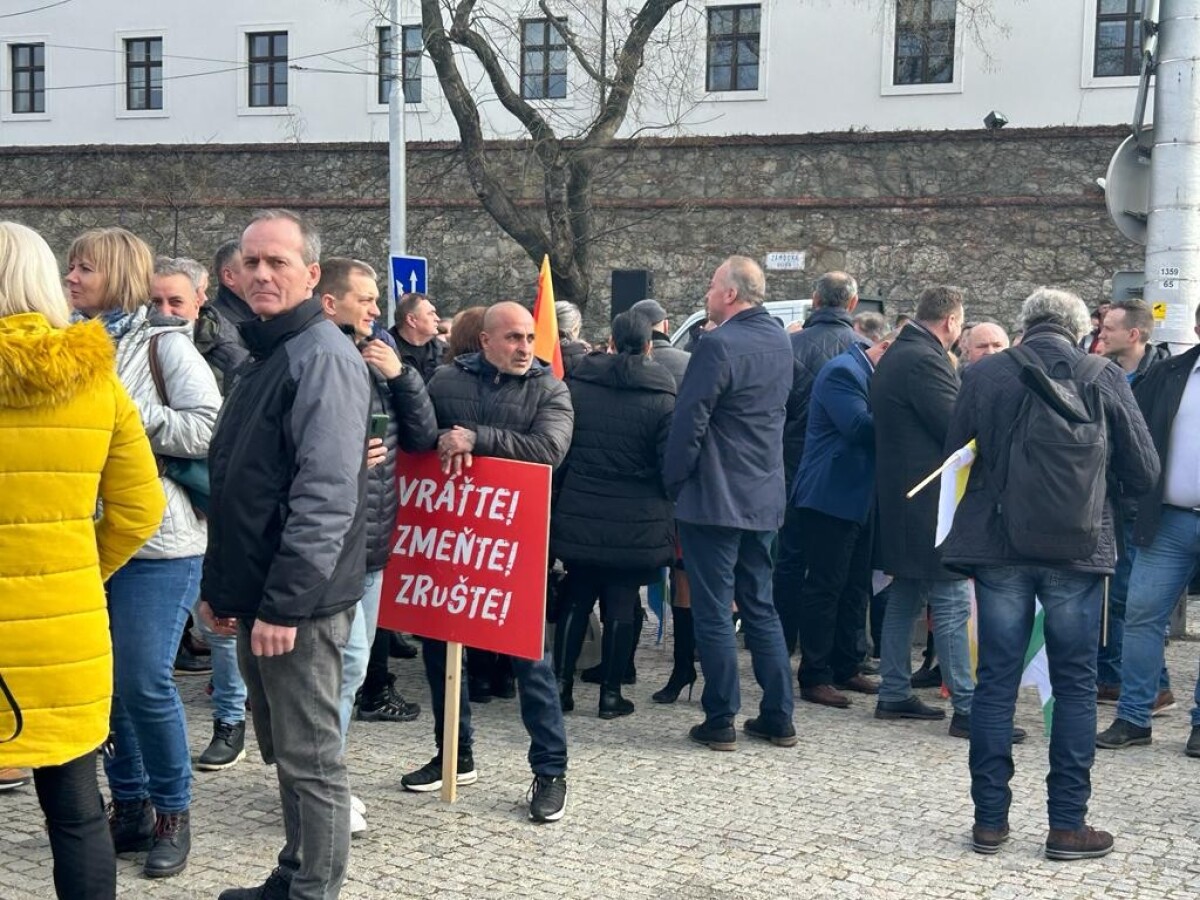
x,y
124,262
29,279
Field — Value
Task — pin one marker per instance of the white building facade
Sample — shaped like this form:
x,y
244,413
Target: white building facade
x,y
270,71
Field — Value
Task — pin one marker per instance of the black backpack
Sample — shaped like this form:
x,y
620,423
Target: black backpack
x,y
1053,498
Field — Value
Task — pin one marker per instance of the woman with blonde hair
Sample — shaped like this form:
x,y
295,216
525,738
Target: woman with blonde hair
x,y
149,772
72,444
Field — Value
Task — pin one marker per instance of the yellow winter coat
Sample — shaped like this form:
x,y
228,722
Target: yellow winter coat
x,y
69,436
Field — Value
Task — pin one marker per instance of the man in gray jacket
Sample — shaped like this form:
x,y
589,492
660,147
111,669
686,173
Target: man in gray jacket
x,y
287,542
502,402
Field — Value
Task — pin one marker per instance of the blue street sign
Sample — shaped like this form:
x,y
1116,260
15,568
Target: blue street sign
x,y
409,275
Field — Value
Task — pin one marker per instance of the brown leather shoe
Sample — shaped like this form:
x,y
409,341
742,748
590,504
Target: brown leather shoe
x,y
988,840
860,684
1082,843
1108,693
825,695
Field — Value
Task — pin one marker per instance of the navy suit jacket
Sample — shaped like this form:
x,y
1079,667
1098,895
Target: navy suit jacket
x,y
837,472
724,459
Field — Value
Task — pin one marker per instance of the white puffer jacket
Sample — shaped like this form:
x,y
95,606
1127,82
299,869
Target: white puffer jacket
x,y
184,429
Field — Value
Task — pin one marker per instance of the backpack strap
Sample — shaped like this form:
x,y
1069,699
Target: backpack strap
x,y
156,373
1087,369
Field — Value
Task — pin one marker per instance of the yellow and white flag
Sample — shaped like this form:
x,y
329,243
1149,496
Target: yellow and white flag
x,y
955,472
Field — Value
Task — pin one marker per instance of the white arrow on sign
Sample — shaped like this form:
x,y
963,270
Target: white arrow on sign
x,y
399,288
412,280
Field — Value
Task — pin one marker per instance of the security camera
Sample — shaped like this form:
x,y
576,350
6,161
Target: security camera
x,y
995,120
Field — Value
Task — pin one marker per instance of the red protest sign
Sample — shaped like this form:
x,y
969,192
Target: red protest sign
x,y
470,554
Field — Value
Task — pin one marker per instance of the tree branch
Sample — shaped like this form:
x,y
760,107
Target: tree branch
x,y
572,43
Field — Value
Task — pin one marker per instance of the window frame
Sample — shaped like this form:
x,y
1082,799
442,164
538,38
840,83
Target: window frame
x,y
120,85
269,63
733,37
888,88
49,58
243,82
380,99
32,70
146,68
1087,75
546,49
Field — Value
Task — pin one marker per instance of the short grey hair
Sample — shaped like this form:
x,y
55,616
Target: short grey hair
x,y
311,251
835,290
747,279
165,266
570,319
871,325
1056,307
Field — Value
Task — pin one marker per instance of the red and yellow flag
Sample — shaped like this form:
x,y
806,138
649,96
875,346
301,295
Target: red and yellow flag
x,y
545,322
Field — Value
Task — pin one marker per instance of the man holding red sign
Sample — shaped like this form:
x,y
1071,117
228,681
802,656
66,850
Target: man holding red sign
x,y
502,402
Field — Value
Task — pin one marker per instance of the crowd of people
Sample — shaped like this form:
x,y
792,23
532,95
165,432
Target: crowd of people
x,y
198,486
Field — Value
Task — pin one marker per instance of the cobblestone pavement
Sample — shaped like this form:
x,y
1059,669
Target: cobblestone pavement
x,y
859,808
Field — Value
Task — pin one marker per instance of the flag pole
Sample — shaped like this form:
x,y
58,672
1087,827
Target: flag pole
x,y
931,477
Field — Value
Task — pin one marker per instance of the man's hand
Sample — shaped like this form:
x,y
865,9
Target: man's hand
x,y
271,640
376,452
455,448
226,627
382,357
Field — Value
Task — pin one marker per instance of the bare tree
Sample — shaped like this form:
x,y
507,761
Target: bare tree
x,y
566,153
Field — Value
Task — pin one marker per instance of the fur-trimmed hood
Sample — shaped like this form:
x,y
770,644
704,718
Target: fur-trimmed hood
x,y
44,366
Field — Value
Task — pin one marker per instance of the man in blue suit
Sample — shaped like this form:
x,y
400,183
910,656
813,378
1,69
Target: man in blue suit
x,y
835,496
724,470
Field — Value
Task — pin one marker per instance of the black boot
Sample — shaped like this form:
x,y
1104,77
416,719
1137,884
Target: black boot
x,y
569,632
172,843
683,672
618,644
131,823
639,623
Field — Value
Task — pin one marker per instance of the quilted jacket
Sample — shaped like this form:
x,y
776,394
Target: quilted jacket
x,y
69,437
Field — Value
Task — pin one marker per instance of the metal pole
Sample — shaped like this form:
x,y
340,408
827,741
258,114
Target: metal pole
x,y
398,225
1173,228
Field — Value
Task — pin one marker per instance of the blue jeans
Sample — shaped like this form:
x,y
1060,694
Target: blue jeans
x,y
148,605
950,603
537,692
228,689
722,562
1108,657
358,648
1160,574
1005,598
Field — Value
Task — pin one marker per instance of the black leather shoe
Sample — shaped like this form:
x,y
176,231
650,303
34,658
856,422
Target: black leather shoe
x,y
172,844
714,738
960,727
131,823
277,887
400,647
785,737
1192,748
912,708
1121,734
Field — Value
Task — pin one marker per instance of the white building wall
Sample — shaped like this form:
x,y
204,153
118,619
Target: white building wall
x,y
826,67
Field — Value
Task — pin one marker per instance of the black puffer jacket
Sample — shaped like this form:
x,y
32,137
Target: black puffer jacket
x,y
412,427
611,509
986,410
218,341
525,417
827,333
425,358
572,353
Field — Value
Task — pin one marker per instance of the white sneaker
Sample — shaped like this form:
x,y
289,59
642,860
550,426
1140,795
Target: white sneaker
x,y
358,824
358,806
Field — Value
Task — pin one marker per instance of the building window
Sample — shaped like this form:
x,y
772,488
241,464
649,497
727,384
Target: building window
x,y
410,63
543,60
143,73
924,52
733,43
268,62
28,78
1118,38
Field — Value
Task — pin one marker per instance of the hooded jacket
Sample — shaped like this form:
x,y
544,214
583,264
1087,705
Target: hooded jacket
x,y
69,437
217,340
612,509
287,511
181,427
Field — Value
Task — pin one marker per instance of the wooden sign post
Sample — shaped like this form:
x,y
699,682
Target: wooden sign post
x,y
454,658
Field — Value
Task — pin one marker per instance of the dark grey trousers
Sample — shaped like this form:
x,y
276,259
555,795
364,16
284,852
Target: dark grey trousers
x,y
294,704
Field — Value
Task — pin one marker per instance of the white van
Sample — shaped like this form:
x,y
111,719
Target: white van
x,y
786,311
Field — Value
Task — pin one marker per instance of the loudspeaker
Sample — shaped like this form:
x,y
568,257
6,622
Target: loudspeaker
x,y
628,287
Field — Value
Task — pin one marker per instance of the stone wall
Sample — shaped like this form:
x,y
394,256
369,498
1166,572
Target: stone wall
x,y
996,213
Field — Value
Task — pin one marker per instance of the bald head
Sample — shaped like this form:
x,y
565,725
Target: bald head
x,y
985,339
507,337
